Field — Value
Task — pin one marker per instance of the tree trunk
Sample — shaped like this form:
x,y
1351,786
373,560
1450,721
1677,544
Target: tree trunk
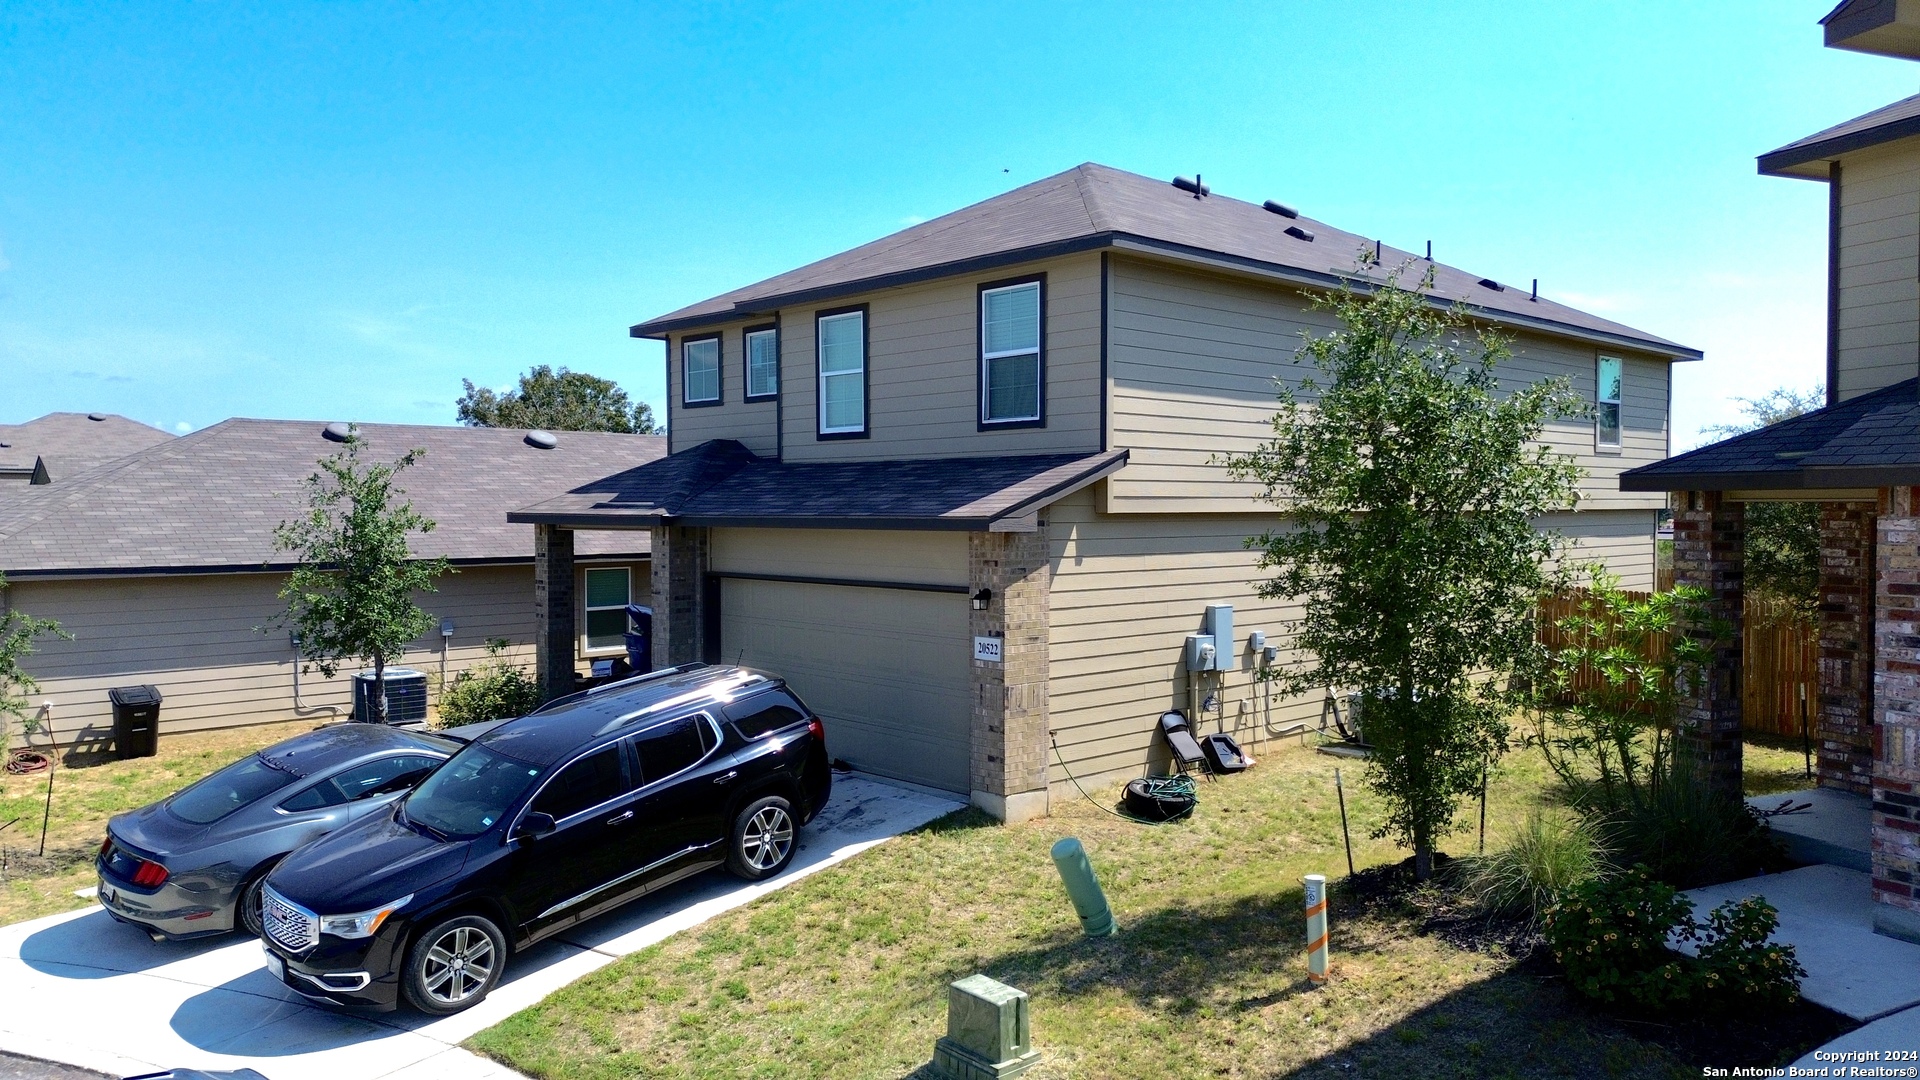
x,y
379,689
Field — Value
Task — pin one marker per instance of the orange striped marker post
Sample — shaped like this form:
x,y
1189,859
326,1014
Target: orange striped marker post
x,y
1316,929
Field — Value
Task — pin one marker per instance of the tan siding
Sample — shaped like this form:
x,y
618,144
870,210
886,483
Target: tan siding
x,y
750,422
1878,323
923,349
1127,589
197,638
1193,359
928,558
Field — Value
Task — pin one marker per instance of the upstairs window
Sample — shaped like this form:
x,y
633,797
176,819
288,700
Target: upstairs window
x,y
1010,371
843,373
1606,430
763,363
700,371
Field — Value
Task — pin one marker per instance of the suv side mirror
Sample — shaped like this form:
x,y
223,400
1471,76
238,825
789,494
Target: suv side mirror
x,y
534,826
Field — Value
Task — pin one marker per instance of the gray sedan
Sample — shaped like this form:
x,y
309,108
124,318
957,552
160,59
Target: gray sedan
x,y
191,864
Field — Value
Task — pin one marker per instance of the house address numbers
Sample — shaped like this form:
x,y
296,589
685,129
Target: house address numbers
x,y
987,649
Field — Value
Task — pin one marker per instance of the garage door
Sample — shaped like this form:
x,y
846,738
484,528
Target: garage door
x,y
886,668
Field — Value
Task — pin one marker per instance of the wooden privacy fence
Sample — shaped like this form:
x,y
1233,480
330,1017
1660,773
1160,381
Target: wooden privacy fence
x,y
1782,658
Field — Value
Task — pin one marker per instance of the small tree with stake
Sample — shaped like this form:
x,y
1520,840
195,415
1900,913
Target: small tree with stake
x,y
1413,483
351,595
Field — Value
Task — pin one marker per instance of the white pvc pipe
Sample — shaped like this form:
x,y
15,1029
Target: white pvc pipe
x,y
1316,928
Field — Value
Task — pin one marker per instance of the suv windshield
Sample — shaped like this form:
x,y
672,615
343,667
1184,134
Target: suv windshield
x,y
233,787
464,797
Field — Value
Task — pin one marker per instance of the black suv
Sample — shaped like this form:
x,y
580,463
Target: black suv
x,y
541,823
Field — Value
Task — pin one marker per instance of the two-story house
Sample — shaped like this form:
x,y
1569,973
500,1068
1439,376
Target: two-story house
x,y
1859,458
962,485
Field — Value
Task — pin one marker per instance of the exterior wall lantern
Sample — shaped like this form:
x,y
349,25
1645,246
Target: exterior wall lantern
x,y
981,599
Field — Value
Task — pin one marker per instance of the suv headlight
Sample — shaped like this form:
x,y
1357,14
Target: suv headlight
x,y
362,923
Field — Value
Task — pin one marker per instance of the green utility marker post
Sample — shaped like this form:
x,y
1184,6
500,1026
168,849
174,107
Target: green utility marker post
x,y
1096,918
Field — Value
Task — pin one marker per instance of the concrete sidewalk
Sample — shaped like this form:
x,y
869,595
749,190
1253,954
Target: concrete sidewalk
x,y
83,989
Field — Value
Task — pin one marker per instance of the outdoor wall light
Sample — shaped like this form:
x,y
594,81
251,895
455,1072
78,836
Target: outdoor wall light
x,y
981,599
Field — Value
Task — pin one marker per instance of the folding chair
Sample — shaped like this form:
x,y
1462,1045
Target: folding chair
x,y
1186,749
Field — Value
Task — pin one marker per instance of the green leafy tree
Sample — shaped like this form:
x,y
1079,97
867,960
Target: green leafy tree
x,y
1413,482
18,632
351,595
1783,538
557,401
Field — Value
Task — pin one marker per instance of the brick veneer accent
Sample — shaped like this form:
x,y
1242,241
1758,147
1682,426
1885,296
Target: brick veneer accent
x,y
1010,728
1708,541
1844,723
1896,712
553,609
680,561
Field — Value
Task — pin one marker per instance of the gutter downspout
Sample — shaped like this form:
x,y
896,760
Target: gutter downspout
x,y
298,708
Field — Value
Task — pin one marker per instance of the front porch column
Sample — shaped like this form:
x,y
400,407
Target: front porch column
x,y
680,595
1010,728
1896,717
554,632
1843,723
1708,553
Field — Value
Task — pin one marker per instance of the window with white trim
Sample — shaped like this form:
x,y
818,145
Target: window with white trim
x,y
763,363
1010,353
608,593
700,371
843,373
1606,420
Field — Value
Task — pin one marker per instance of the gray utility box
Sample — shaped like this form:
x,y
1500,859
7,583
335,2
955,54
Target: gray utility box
x,y
406,696
988,1034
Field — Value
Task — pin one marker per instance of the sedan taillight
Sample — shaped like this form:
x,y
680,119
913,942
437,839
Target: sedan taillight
x,y
150,875
106,846
817,729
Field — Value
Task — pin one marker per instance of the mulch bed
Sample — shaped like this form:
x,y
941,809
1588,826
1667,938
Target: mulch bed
x,y
1718,1040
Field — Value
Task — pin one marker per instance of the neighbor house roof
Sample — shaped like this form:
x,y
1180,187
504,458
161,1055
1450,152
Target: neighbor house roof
x,y
63,444
1807,158
1869,441
721,482
210,501
1094,207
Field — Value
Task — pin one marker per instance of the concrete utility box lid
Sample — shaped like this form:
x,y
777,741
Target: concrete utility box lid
x,y
987,1032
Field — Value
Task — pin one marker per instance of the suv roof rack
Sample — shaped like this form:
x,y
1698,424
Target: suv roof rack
x,y
592,691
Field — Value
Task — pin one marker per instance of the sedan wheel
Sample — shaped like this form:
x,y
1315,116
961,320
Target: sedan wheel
x,y
453,965
763,839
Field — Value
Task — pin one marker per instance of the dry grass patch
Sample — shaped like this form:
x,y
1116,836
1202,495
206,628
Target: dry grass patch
x,y
844,974
85,796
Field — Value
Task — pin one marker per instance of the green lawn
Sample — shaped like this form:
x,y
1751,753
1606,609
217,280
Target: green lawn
x,y
844,974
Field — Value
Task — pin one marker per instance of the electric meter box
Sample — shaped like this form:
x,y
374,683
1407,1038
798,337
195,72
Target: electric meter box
x,y
1219,627
1200,653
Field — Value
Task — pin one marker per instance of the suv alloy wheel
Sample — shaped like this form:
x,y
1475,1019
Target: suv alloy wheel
x,y
762,839
454,964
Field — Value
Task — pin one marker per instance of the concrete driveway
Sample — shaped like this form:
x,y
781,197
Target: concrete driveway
x,y
83,989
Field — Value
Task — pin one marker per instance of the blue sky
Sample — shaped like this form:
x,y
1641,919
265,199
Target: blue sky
x,y
338,211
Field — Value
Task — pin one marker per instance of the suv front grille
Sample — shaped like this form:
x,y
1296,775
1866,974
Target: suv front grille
x,y
286,923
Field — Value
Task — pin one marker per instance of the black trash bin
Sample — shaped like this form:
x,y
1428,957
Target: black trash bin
x,y
136,720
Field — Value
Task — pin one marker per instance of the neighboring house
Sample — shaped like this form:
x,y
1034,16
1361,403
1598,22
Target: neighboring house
x,y
1859,458
161,565
962,485
58,446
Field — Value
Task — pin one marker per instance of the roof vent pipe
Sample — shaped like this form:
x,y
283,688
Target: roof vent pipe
x,y
1429,251
1280,208
1536,290
337,432
542,440
1194,185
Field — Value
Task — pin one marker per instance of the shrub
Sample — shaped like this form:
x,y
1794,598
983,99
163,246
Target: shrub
x,y
1612,935
491,690
1738,963
1681,829
1551,855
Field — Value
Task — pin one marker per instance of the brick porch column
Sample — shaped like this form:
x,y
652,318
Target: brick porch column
x,y
1843,722
680,562
1010,732
1708,539
554,631
1896,717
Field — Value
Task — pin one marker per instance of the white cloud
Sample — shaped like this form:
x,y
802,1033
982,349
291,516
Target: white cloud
x,y
912,219
183,427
